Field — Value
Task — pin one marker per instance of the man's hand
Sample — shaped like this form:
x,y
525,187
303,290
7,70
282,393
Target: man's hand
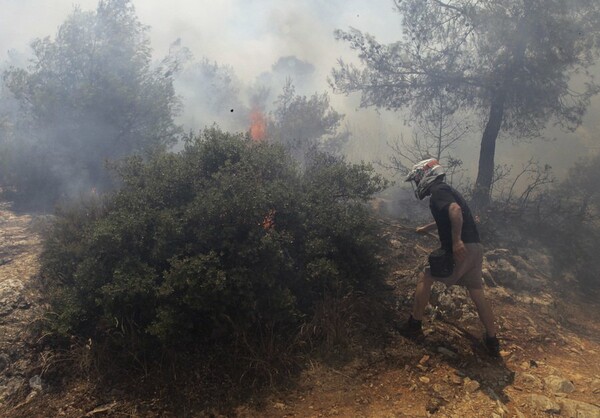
x,y
459,251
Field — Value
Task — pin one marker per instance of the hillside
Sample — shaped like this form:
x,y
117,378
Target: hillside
x,y
550,337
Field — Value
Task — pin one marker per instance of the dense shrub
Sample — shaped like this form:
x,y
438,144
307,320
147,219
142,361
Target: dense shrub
x,y
563,217
225,238
568,218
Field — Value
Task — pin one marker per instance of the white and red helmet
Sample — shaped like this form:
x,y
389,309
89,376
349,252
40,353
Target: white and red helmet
x,y
424,174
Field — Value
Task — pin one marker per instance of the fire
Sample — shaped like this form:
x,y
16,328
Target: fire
x,y
258,125
268,222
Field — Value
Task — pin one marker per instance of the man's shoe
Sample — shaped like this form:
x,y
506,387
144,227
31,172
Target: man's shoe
x,y
411,329
492,345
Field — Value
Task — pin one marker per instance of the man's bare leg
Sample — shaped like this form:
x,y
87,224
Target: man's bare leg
x,y
486,315
422,295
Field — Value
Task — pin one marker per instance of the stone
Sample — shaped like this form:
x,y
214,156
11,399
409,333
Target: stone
x,y
446,352
32,394
10,388
457,380
595,386
488,279
543,262
577,409
11,295
471,385
4,361
279,405
557,384
424,379
434,404
503,272
529,380
35,383
543,403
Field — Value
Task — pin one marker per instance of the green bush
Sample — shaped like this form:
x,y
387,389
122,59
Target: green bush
x,y
225,238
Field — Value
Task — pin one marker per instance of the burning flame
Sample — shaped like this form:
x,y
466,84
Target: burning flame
x,y
258,125
268,222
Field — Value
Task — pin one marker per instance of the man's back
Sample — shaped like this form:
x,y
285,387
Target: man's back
x,y
442,195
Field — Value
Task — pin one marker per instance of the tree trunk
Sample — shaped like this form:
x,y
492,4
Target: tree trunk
x,y
481,193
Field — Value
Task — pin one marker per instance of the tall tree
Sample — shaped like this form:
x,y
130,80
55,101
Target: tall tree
x,y
511,61
92,95
301,123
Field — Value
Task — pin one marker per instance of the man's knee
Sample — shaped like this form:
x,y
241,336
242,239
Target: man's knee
x,y
477,294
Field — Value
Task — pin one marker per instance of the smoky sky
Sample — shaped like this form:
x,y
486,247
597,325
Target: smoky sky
x,y
266,41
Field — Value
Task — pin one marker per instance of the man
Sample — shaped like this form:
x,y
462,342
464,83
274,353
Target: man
x,y
459,240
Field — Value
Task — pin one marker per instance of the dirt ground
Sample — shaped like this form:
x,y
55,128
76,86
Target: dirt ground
x,y
549,337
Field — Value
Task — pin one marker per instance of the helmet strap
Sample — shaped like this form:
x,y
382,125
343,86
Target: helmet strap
x,y
415,192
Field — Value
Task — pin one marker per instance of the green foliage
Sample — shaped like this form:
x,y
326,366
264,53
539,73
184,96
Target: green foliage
x,y
218,241
509,61
303,124
568,218
89,95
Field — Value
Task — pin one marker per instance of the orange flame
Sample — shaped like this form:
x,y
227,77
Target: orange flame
x,y
258,126
268,222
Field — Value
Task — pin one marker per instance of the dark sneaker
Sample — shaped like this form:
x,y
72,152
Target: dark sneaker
x,y
492,345
411,329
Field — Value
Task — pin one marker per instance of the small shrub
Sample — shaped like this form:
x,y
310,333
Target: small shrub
x,y
211,247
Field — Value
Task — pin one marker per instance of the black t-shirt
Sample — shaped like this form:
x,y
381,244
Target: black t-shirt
x,y
442,195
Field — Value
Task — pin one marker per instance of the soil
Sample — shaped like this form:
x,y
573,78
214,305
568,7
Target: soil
x,y
553,331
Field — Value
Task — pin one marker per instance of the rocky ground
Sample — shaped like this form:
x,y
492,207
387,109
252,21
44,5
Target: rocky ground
x,y
550,334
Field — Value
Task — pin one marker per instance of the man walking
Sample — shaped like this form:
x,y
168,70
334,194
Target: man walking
x,y
461,256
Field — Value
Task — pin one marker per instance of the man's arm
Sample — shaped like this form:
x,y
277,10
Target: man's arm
x,y
456,220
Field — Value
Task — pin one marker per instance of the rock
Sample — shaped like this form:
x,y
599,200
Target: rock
x,y
446,352
497,253
434,404
457,380
595,386
500,293
35,383
395,243
577,409
488,279
543,263
530,381
503,272
11,295
4,361
543,403
31,395
10,388
557,384
443,391
279,405
471,385
424,379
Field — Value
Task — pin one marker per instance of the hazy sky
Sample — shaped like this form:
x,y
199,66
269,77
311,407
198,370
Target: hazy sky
x,y
250,35
246,34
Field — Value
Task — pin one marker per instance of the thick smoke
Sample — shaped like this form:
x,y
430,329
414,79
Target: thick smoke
x,y
242,54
